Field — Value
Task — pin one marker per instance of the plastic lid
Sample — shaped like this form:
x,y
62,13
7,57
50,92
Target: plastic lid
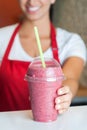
x,y
52,72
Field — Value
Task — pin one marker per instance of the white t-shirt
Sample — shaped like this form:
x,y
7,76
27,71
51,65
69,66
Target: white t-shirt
x,y
69,44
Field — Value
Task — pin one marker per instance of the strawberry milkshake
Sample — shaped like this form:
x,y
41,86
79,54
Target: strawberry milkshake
x,y
43,86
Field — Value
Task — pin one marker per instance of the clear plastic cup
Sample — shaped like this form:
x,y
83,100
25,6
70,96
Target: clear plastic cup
x,y
43,86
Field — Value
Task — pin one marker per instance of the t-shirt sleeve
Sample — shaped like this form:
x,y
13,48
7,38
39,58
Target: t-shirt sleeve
x,y
76,47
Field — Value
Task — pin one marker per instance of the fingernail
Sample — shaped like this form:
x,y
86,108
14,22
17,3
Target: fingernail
x,y
57,107
60,91
60,112
58,101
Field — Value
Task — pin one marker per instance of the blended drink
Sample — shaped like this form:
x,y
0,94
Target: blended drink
x,y
43,86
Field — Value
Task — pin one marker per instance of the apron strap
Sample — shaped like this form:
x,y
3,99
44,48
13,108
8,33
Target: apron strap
x,y
54,43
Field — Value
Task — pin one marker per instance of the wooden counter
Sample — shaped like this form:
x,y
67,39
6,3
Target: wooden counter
x,y
82,91
81,97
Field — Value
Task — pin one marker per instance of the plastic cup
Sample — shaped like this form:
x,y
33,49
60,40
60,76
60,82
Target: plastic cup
x,y
43,86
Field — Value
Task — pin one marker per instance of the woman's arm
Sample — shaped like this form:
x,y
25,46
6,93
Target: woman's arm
x,y
72,69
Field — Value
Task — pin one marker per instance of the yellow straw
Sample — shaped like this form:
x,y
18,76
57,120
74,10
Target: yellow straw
x,y
39,46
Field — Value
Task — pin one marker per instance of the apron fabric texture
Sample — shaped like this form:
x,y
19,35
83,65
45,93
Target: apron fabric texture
x,y
14,92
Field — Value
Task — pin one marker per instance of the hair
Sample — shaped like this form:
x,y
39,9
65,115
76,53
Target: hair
x,y
51,13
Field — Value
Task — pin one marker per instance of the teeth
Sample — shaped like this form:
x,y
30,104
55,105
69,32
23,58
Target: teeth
x,y
33,8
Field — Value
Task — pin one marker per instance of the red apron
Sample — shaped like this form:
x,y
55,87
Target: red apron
x,y
14,93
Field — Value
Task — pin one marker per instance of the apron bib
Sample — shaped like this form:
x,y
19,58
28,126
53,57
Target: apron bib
x,y
14,92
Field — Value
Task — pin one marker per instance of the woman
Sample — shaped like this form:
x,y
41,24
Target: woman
x,y
19,48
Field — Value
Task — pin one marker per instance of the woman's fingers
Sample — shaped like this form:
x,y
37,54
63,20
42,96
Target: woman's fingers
x,y
63,90
62,111
63,105
63,98
63,101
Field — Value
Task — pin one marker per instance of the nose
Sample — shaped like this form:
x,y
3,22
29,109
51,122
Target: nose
x,y
32,2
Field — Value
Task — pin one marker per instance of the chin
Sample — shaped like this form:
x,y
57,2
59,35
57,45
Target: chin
x,y
34,19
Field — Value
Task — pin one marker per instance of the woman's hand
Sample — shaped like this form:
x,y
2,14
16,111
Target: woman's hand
x,y
72,69
63,101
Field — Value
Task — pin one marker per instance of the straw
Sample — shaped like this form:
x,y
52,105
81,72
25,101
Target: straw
x,y
39,47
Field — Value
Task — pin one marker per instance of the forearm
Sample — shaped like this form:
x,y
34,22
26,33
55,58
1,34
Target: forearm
x,y
73,85
72,70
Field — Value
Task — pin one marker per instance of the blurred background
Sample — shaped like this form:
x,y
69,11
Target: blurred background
x,y
72,16
68,14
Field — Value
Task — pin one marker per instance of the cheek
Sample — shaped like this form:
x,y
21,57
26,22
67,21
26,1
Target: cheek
x,y
22,1
50,1
46,1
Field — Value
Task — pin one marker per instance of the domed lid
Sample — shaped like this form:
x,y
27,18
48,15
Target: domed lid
x,y
52,72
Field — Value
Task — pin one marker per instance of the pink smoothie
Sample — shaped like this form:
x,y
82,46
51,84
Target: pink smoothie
x,y
43,86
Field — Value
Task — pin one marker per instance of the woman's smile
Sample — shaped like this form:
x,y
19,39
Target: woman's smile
x,y
32,9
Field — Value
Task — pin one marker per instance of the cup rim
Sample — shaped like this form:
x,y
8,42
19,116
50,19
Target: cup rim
x,y
43,79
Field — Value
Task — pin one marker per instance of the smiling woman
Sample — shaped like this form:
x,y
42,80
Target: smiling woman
x,y
18,48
